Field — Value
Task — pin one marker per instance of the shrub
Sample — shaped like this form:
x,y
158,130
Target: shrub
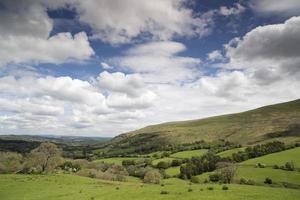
x,y
210,188
190,190
268,181
195,179
152,176
275,167
10,162
176,163
289,166
163,165
224,187
214,177
260,165
244,181
127,163
164,192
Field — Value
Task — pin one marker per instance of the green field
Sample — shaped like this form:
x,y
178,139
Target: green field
x,y
166,159
68,187
229,152
279,158
117,161
173,171
189,154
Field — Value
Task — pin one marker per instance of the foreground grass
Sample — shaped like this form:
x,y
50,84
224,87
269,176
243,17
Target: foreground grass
x,y
68,187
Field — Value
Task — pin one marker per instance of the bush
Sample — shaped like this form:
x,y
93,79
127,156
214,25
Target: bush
x,y
225,187
210,188
275,167
289,166
214,177
164,192
268,181
244,181
260,165
190,190
163,165
152,176
195,179
176,163
10,162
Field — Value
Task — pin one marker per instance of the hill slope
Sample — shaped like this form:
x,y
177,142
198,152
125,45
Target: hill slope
x,y
279,121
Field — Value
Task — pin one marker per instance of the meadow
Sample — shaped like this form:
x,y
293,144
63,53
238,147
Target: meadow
x,y
69,187
189,154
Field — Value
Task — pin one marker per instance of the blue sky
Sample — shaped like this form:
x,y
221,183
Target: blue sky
x,y
102,68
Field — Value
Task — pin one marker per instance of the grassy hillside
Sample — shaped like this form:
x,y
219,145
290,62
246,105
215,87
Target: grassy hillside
x,y
189,154
68,187
279,121
247,169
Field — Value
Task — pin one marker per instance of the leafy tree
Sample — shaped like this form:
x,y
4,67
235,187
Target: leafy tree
x,y
152,176
227,171
10,162
163,165
44,158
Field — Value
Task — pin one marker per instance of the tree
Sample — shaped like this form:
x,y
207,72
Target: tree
x,y
44,158
163,165
226,171
10,162
152,176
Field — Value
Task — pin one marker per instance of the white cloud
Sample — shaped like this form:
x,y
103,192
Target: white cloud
x,y
284,8
270,49
235,10
159,62
215,55
24,36
130,84
121,21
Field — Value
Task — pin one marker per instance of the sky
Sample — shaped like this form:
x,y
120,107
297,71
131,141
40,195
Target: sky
x,y
105,67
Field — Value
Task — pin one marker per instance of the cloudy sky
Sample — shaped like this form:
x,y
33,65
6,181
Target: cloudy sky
x,y
104,67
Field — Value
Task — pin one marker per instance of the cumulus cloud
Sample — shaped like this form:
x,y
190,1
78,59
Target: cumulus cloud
x,y
23,24
270,49
268,7
159,62
121,21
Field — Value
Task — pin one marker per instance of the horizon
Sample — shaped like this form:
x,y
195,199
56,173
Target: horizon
x,y
67,69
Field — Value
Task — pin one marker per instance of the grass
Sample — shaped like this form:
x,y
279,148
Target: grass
x,y
258,175
117,161
246,128
229,152
166,159
69,187
189,154
173,171
279,158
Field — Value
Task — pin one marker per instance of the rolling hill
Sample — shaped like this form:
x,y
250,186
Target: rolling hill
x,y
279,121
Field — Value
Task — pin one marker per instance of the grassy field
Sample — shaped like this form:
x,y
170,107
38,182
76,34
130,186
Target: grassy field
x,y
117,161
247,168
166,159
68,187
173,171
229,152
189,154
279,158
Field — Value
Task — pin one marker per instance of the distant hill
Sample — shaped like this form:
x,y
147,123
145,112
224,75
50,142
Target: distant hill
x,y
279,121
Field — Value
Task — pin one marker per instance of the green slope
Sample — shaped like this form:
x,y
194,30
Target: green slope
x,y
279,121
